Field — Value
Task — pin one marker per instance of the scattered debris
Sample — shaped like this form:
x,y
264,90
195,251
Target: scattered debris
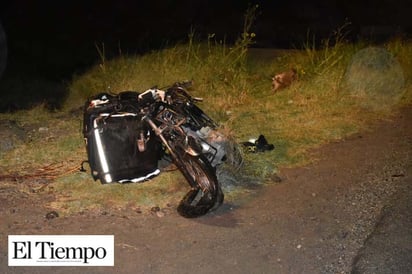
x,y
43,129
275,178
51,215
157,211
258,145
160,214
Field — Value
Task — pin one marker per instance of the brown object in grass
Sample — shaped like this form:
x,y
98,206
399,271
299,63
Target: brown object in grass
x,y
284,79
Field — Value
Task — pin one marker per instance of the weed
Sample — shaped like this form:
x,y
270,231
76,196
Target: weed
x,y
237,93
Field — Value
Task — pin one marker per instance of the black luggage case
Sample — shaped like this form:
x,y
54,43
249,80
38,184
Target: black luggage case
x,y
120,147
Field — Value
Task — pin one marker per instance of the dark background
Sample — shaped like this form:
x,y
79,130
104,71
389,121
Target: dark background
x,y
68,30
55,39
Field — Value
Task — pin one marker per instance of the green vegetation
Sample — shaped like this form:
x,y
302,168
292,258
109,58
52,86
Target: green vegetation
x,y
236,87
318,108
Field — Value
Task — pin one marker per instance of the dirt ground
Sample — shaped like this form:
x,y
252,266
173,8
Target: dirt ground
x,y
349,212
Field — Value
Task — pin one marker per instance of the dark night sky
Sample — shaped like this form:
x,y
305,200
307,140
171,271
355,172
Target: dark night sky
x,y
63,33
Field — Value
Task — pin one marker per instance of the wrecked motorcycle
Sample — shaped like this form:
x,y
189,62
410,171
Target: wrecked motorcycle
x,y
128,134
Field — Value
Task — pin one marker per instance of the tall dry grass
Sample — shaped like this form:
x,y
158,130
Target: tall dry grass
x,y
237,89
236,86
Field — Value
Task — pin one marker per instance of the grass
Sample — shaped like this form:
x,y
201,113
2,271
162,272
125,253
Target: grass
x,y
72,197
236,86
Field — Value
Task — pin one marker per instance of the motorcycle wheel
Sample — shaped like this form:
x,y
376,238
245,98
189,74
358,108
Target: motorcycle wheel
x,y
206,194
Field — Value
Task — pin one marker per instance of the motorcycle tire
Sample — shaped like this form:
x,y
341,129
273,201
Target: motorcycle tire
x,y
206,194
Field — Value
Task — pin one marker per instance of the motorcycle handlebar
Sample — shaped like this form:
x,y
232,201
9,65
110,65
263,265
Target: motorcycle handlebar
x,y
177,92
180,88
